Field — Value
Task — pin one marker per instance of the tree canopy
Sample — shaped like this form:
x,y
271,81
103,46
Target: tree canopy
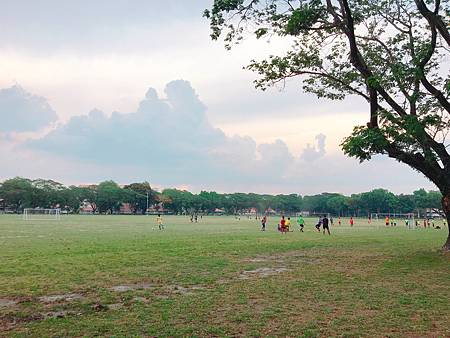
x,y
108,197
392,54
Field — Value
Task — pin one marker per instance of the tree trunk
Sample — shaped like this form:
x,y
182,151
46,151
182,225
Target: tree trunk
x,y
446,209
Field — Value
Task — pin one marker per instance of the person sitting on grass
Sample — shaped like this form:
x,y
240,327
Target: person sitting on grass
x,y
301,222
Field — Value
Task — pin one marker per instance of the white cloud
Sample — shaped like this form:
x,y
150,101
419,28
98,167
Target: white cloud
x,y
172,138
312,153
22,112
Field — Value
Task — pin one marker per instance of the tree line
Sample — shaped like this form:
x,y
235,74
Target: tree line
x,y
108,197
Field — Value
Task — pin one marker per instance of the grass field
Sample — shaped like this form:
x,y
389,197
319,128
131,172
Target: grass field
x,y
115,276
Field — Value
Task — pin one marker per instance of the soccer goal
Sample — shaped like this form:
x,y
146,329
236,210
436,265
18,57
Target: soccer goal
x,y
39,214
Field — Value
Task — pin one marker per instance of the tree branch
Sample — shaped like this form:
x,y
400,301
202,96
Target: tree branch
x,y
434,18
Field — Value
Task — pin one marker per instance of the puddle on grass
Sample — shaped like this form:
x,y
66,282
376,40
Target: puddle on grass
x,y
130,287
5,303
61,298
262,272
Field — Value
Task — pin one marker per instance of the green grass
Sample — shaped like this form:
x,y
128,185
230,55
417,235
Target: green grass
x,y
363,281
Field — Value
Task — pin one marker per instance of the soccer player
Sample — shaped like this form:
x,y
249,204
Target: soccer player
x,y
301,222
339,220
283,224
387,221
319,223
263,223
288,224
159,221
351,221
325,225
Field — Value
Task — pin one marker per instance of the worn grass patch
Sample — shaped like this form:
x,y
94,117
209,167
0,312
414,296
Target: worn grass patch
x,y
115,276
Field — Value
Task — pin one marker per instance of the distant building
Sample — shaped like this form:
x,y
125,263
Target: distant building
x,y
158,209
250,212
433,213
219,212
126,209
86,208
270,211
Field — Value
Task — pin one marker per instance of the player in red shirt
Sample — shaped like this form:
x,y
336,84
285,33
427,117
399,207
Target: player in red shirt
x,y
283,224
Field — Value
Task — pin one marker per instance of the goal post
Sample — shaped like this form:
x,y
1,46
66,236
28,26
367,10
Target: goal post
x,y
38,214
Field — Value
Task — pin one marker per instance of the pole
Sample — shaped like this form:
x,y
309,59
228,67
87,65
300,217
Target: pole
x,y
146,210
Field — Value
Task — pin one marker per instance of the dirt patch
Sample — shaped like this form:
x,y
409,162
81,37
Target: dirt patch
x,y
262,272
257,260
170,290
178,289
69,297
141,300
6,303
292,257
116,306
9,322
131,287
159,296
57,314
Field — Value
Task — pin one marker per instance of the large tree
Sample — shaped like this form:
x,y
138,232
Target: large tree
x,y
140,196
391,53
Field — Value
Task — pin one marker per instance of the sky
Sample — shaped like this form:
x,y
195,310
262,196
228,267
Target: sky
x,y
136,90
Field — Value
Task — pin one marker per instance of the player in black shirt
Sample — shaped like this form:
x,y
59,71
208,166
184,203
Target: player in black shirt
x,y
325,224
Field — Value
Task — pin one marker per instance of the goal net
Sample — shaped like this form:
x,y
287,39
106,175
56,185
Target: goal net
x,y
41,214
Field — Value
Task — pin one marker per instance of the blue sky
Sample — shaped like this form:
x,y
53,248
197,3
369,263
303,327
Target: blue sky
x,y
136,90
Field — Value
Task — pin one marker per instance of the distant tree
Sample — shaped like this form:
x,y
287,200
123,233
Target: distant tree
x,y
378,200
18,193
109,196
89,195
212,200
427,200
48,194
337,204
389,53
434,200
406,203
181,201
288,203
318,203
136,194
